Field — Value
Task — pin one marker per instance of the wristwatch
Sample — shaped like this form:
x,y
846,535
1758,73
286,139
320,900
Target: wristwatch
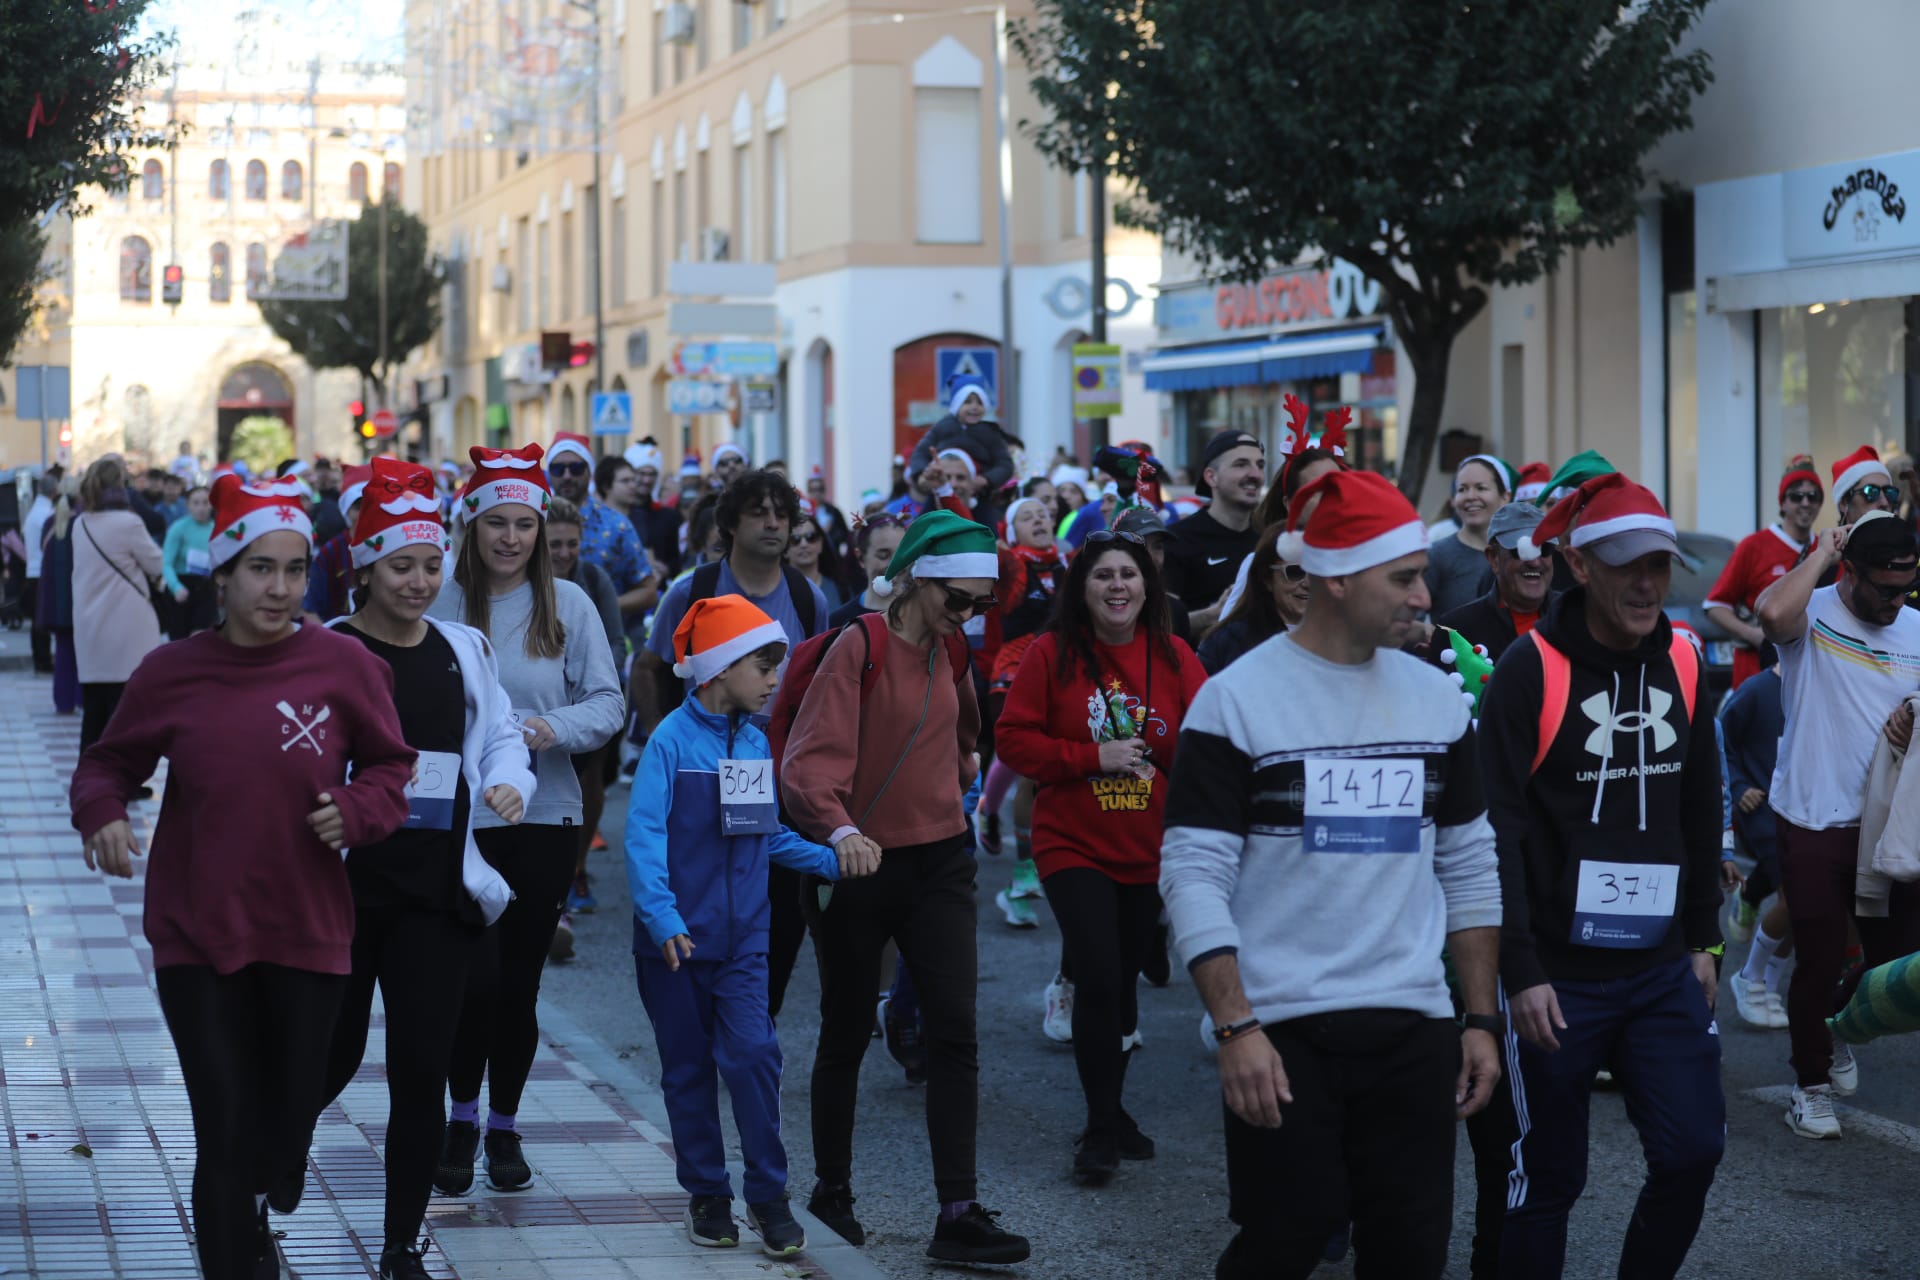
x,y
1487,1022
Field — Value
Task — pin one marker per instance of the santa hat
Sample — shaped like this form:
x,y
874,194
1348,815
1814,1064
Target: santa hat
x,y
1800,467
571,442
690,465
1360,521
1532,482
353,483
404,511
244,511
1013,513
961,390
816,472
645,454
726,450
1064,474
505,475
1855,468
1502,470
940,544
717,632
973,468
1617,520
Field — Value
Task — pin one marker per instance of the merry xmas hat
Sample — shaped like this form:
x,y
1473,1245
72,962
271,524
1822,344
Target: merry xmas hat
x,y
1611,517
645,454
1361,521
571,442
403,510
940,544
1856,468
353,483
1800,467
505,475
717,632
244,511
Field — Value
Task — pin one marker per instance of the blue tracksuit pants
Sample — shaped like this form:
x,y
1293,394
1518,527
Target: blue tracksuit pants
x,y
711,1023
1653,1030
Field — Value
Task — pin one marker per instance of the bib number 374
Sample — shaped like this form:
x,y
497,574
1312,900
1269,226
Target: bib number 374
x,y
1364,806
1624,904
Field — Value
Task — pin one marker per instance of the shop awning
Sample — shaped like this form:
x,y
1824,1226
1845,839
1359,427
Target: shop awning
x,y
1237,364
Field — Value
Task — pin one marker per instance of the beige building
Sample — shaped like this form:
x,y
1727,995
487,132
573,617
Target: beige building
x,y
850,144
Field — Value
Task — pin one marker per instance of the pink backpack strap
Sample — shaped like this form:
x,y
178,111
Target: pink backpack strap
x,y
1556,674
1686,668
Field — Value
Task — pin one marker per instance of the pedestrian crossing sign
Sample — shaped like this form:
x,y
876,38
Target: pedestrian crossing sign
x,y
612,413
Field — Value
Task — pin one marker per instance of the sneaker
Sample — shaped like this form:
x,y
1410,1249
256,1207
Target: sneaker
x,y
580,899
266,1251
560,950
284,1192
1018,911
403,1262
1777,1011
991,841
1753,1000
598,844
1158,969
1844,1074
507,1168
454,1174
1135,1040
974,1237
710,1222
1096,1158
1811,1115
904,1042
780,1235
1133,1144
1741,920
834,1207
1026,880
1057,1025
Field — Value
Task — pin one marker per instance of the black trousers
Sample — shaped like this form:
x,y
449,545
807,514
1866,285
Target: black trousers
x,y
499,1030
253,1052
39,637
1105,928
1367,1139
419,958
785,933
98,702
1492,1131
921,899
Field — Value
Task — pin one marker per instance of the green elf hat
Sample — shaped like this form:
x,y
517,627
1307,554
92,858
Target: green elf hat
x,y
941,544
1573,473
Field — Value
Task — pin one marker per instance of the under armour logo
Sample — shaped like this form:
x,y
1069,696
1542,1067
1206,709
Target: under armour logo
x,y
1599,708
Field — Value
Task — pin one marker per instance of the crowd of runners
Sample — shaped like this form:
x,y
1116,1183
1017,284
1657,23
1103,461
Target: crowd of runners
x,y
1443,823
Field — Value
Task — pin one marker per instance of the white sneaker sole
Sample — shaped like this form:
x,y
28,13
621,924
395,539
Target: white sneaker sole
x,y
1019,916
1807,1132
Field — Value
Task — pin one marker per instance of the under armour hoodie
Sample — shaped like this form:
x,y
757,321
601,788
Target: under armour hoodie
x,y
1610,847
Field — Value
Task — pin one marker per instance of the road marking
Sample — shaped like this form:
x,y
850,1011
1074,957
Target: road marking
x,y
1852,1119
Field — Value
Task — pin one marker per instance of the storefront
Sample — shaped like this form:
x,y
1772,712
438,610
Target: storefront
x,y
1228,354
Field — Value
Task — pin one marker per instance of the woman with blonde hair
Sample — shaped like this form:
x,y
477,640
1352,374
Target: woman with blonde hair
x,y
114,624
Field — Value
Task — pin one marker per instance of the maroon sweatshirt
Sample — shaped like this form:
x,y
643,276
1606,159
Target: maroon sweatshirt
x,y
252,737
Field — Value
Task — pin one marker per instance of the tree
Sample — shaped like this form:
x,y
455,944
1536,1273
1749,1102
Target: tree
x,y
21,244
1441,148
263,442
346,334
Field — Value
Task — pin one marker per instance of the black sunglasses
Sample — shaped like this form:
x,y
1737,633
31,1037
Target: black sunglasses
x,y
567,469
806,538
1805,495
966,604
1889,594
1110,535
1875,492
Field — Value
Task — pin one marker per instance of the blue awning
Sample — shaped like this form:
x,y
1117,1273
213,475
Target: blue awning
x,y
1238,364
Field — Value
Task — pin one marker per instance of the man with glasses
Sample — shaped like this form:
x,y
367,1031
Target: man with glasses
x,y
607,537
1849,656
1521,587
1762,559
1861,483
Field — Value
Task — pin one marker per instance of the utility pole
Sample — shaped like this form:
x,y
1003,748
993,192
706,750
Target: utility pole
x,y
592,8
386,194
1097,229
313,142
1003,173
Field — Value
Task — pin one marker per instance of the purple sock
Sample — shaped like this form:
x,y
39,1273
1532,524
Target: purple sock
x,y
950,1210
467,1111
497,1121
993,792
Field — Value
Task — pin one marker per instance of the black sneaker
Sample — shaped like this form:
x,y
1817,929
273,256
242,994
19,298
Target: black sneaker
x,y
780,1234
975,1237
1096,1158
834,1207
905,1043
507,1169
1157,969
710,1222
453,1176
284,1192
1132,1144
403,1262
266,1251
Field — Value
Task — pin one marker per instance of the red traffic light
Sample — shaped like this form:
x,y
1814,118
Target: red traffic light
x,y
357,408
174,275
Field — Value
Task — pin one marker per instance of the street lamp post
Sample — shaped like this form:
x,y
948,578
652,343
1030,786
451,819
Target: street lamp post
x,y
591,7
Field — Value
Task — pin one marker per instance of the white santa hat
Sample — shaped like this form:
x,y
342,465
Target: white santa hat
x,y
1360,521
1611,517
973,468
717,632
403,511
645,454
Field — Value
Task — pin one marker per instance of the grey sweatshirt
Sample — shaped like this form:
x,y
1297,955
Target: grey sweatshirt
x,y
1326,825
578,693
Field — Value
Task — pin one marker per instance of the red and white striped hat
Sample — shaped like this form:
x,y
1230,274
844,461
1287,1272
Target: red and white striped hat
x,y
402,509
1360,521
505,475
244,511
1856,468
1612,517
571,442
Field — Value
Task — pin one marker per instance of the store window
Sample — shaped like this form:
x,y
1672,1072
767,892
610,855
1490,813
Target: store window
x,y
1373,438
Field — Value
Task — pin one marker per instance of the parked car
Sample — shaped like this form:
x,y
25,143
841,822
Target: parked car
x,y
1706,555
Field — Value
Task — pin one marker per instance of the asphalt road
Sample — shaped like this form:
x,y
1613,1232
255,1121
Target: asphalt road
x,y
1783,1206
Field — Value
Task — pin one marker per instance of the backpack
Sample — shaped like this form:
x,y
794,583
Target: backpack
x,y
705,585
1556,671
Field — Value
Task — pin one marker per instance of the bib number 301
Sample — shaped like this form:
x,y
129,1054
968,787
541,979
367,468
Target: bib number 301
x,y
1624,904
1364,806
747,804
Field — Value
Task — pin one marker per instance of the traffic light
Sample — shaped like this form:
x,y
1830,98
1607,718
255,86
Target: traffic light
x,y
171,280
356,414
368,431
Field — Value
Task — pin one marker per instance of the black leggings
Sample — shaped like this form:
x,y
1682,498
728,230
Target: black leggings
x,y
253,1051
1105,928
785,932
419,958
98,702
499,1032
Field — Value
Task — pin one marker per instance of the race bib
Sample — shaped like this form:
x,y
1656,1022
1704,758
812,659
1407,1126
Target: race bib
x,y
1624,904
1363,806
747,804
431,795
199,564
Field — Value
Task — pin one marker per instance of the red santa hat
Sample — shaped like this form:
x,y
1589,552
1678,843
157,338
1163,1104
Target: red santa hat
x,y
244,511
1611,517
505,475
1361,521
571,442
717,632
1532,481
403,510
353,483
1856,468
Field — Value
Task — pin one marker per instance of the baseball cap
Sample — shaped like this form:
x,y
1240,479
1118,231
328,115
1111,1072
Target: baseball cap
x,y
1513,521
1879,539
1140,522
1219,444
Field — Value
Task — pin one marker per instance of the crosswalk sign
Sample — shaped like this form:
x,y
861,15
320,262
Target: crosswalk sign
x,y
612,413
965,364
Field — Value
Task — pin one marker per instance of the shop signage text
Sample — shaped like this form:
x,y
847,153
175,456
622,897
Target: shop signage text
x,y
1856,209
1871,180
1298,297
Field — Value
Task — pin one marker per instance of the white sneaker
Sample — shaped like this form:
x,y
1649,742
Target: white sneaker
x,y
1777,1011
1844,1074
1018,911
1811,1115
1057,1025
1131,1042
1753,1000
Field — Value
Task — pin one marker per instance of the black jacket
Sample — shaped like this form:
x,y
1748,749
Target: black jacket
x,y
1485,621
1228,641
1655,805
1203,557
1751,722
983,441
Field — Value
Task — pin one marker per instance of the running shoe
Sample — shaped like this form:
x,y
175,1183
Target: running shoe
x,y
1019,912
580,899
507,1168
1753,1000
833,1205
710,1222
1811,1114
1741,920
974,1237
284,1192
1057,1025
1096,1158
1133,1144
1158,969
560,949
598,844
404,1262
1026,880
780,1234
1844,1074
454,1174
905,1042
989,838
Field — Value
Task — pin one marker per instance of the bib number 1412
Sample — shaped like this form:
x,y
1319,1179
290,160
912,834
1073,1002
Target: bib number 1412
x,y
1364,806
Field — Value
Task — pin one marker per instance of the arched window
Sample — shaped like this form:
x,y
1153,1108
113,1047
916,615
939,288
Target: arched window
x,y
218,187
357,183
256,269
390,182
220,273
136,270
290,180
117,183
153,182
256,180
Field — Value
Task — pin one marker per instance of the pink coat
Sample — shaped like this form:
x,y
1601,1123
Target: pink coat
x,y
114,625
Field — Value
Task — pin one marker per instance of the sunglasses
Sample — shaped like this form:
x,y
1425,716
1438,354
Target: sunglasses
x,y
1875,492
567,469
966,604
806,539
1291,572
1806,495
1109,535
1889,594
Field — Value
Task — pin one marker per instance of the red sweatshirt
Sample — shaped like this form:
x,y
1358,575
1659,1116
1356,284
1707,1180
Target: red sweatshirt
x,y
1051,731
252,737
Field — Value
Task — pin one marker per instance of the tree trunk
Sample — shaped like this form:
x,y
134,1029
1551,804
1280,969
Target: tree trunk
x,y
1429,357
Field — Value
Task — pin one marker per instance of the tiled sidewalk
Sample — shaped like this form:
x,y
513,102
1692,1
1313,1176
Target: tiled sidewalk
x,y
96,1176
